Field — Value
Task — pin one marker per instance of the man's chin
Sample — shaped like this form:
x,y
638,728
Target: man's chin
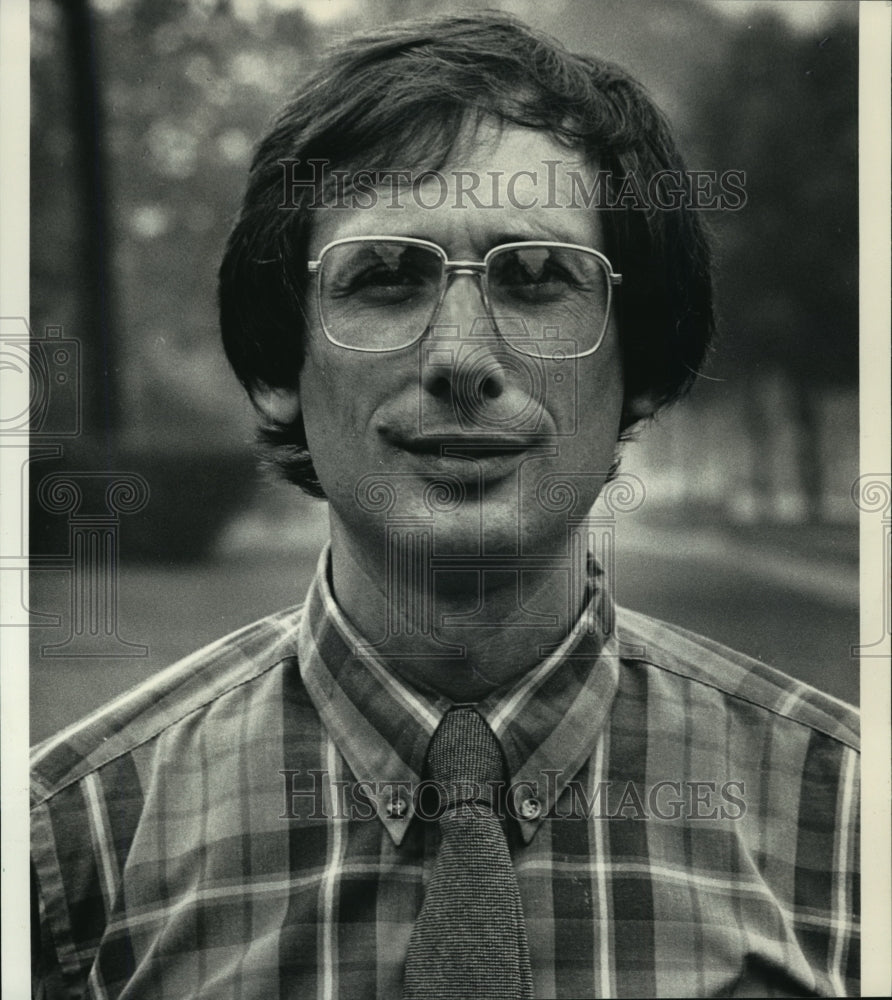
x,y
493,532
450,519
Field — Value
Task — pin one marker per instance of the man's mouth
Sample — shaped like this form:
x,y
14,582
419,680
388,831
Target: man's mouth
x,y
452,444
467,456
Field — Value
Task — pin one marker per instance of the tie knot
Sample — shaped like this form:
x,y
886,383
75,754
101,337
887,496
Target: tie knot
x,y
464,749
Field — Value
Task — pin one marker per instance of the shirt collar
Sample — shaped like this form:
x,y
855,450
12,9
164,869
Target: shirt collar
x,y
547,723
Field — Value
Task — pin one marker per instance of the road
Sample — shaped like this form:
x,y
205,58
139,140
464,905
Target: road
x,y
794,611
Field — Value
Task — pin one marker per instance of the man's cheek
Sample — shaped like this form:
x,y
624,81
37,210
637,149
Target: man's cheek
x,y
323,394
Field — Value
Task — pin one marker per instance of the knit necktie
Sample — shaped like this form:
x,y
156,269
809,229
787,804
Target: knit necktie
x,y
470,937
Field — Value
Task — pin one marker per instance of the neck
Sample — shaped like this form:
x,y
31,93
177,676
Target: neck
x,y
462,633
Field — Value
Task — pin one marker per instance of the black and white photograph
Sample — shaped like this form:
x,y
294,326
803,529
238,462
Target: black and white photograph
x,y
446,500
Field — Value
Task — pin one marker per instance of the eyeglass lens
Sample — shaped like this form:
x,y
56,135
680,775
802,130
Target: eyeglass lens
x,y
380,295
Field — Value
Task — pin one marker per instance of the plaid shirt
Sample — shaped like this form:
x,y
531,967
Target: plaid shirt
x,y
242,825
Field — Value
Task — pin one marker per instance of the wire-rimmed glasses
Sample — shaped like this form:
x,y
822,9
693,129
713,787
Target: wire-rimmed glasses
x,y
382,293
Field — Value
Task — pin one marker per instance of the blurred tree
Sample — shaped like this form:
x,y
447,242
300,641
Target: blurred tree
x,y
785,111
99,345
186,87
190,86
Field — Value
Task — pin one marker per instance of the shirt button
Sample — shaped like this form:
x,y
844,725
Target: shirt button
x,y
396,808
530,808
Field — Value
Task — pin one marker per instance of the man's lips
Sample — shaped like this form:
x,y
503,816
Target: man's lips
x,y
438,445
470,458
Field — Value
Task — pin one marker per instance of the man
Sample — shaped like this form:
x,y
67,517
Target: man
x,y
457,770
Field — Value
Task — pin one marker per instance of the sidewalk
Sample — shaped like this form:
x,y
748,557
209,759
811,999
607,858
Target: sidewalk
x,y
799,557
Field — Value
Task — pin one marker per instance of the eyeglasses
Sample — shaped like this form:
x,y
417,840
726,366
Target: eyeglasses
x,y
382,293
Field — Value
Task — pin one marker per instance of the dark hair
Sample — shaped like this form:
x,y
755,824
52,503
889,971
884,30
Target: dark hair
x,y
403,95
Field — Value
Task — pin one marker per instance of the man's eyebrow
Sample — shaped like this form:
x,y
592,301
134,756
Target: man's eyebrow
x,y
520,237
541,233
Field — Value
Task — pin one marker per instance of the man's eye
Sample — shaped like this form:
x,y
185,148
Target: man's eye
x,y
541,285
382,284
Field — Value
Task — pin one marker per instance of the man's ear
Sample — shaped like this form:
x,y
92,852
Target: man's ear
x,y
277,404
640,407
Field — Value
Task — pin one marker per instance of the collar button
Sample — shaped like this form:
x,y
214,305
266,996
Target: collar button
x,y
530,808
397,807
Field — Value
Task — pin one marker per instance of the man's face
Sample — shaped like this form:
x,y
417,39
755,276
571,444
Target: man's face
x,y
516,426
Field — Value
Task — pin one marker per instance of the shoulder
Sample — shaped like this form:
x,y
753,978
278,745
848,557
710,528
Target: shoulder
x,y
736,678
174,697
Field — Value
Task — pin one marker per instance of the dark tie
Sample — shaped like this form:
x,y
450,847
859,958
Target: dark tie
x,y
470,938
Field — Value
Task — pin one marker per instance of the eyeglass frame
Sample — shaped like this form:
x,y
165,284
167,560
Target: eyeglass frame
x,y
475,268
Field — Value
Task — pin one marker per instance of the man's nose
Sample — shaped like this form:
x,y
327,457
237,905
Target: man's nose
x,y
464,356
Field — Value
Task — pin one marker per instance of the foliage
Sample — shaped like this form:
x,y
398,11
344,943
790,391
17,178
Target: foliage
x,y
785,112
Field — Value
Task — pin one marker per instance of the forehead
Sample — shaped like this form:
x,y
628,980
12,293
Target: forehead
x,y
497,185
